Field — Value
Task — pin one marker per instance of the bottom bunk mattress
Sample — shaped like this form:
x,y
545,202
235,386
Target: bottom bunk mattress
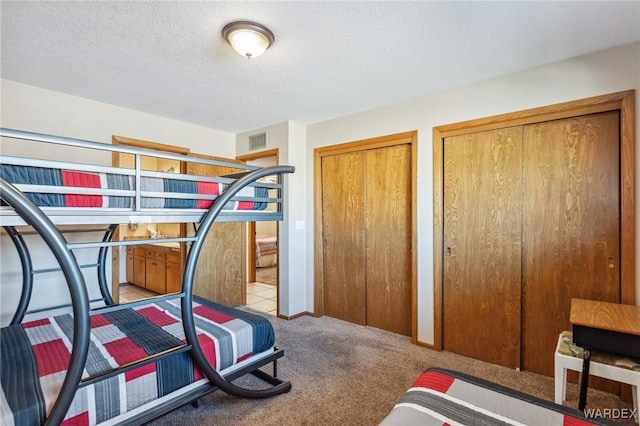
x,y
441,396
35,356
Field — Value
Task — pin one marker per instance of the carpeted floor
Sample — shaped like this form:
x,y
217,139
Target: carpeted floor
x,y
345,374
267,275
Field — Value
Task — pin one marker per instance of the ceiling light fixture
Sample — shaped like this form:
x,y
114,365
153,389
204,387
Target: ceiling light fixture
x,y
248,38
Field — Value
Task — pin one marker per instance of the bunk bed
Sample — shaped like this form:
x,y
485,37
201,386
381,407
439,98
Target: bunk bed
x,y
94,361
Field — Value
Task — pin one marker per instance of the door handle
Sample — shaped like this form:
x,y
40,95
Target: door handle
x,y
448,251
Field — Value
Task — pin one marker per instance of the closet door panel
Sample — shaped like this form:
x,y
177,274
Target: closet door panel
x,y
571,226
388,227
343,226
482,234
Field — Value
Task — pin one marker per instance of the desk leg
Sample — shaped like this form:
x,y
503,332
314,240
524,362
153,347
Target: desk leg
x,y
584,379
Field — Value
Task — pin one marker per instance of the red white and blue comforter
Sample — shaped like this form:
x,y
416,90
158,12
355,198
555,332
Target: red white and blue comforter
x,y
28,175
35,356
445,397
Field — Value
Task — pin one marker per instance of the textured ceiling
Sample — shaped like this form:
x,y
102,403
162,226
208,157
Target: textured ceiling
x,y
329,58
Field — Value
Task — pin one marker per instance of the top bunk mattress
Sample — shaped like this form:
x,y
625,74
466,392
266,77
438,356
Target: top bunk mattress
x,y
168,193
35,356
71,182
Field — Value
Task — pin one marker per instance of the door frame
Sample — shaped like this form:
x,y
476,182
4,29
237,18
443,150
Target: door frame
x,y
624,102
251,228
115,161
410,138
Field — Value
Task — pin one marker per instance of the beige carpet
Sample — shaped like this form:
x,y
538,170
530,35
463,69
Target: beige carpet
x,y
345,374
267,275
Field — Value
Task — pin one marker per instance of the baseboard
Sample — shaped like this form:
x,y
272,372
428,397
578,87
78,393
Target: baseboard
x,y
426,345
291,317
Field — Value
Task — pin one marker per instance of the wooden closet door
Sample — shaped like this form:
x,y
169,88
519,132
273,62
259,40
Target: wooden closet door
x,y
219,272
571,226
388,238
343,226
482,234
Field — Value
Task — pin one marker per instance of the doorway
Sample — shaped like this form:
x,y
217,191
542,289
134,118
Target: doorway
x,y
263,246
131,264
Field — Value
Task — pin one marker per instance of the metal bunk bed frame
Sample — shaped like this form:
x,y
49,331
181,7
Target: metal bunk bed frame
x,y
44,221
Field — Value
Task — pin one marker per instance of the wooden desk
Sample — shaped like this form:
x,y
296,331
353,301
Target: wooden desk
x,y
607,327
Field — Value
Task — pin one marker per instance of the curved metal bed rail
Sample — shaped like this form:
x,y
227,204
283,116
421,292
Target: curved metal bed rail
x,y
80,303
187,287
27,276
79,296
102,261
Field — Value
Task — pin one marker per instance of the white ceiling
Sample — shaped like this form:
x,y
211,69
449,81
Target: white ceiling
x,y
329,59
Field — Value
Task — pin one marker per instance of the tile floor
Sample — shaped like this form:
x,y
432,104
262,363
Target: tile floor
x,y
131,293
261,297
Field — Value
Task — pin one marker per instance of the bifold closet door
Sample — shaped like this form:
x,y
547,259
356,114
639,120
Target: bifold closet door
x,y
388,238
220,266
482,235
531,220
343,227
366,222
571,226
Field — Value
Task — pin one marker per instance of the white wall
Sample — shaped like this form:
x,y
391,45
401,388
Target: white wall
x,y
609,71
290,138
604,72
38,110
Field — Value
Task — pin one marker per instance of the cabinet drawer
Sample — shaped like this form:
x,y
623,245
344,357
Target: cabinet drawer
x,y
130,251
139,251
160,255
173,257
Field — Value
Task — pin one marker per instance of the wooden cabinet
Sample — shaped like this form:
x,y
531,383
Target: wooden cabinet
x,y
138,267
130,277
174,272
154,267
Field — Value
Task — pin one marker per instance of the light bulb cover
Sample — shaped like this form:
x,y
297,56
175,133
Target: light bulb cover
x,y
249,39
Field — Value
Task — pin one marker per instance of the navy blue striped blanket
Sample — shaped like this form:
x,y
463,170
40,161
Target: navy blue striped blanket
x,y
35,356
28,175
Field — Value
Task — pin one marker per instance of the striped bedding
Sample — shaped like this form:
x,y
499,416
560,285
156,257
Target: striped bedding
x,y
28,175
445,397
35,356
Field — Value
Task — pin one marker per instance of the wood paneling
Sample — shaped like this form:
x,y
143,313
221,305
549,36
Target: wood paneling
x,y
482,225
388,238
219,273
571,232
564,212
344,236
367,239
624,102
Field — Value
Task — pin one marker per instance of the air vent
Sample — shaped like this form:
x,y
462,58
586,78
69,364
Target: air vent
x,y
257,141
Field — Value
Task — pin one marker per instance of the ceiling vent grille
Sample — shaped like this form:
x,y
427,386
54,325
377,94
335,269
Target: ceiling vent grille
x,y
257,141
